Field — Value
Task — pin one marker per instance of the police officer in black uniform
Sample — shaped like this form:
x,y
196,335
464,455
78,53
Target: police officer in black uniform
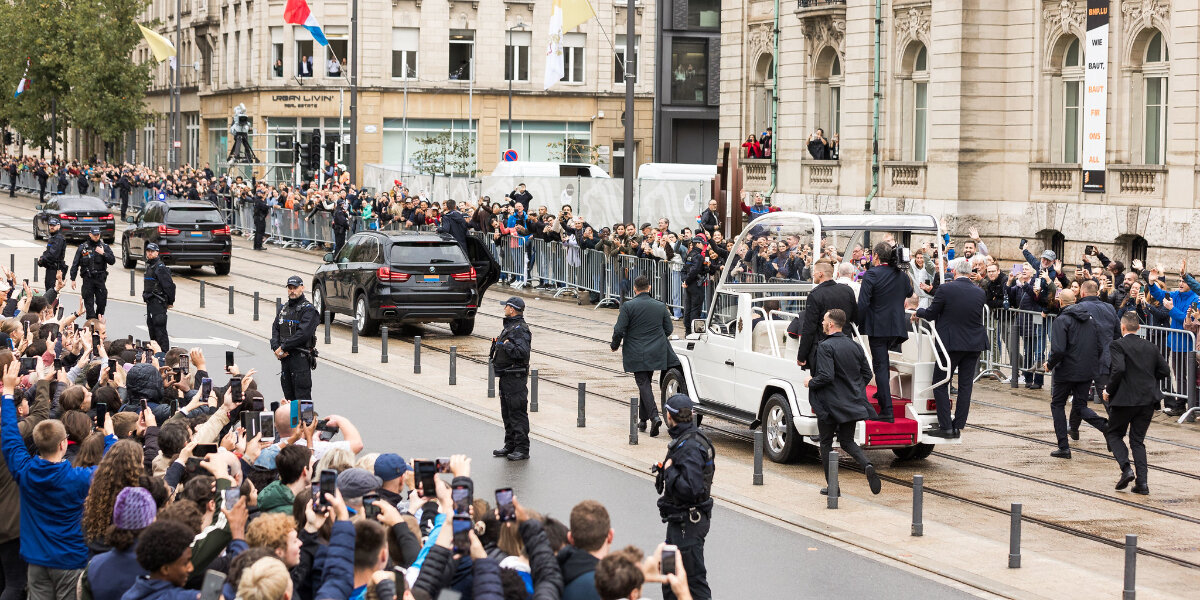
x,y
695,275
158,291
294,341
261,208
53,259
684,478
92,260
341,224
12,179
42,177
124,186
510,358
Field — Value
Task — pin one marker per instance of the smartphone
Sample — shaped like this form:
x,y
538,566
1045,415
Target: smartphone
x,y
143,406
1018,269
129,340
1089,249
174,405
205,389
228,359
370,509
192,464
251,423
316,497
185,363
328,484
235,390
28,363
101,410
231,497
504,504
266,425
25,326
203,450
214,582
667,565
112,366
58,365
137,344
307,413
443,465
95,342
177,375
425,472
461,495
462,523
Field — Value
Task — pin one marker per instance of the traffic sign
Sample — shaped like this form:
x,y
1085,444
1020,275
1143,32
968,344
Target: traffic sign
x,y
177,144
510,155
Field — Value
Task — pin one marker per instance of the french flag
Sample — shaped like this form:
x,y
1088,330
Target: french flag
x,y
297,13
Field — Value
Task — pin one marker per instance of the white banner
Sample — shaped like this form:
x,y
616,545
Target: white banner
x,y
1095,97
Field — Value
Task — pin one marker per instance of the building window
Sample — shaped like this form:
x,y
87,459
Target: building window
x,y
516,55
920,112
689,68
192,144
336,53
1155,71
430,145
218,142
405,41
1072,119
704,14
618,158
550,141
573,47
277,52
829,92
305,64
619,61
462,54
148,144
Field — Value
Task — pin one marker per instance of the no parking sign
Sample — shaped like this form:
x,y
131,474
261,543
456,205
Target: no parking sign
x,y
510,155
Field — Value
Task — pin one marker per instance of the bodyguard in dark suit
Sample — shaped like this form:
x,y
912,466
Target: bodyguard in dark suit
x,y
1108,329
881,318
645,326
837,392
1075,351
454,224
1133,396
957,312
827,295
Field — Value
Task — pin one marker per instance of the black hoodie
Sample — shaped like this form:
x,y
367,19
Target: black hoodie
x,y
1074,346
579,574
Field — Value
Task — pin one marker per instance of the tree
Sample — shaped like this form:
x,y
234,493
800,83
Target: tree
x,y
574,151
107,88
443,155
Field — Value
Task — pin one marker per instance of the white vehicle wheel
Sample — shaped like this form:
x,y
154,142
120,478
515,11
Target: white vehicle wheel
x,y
782,441
672,383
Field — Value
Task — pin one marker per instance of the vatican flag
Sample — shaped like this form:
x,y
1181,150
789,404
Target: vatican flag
x,y
159,45
565,16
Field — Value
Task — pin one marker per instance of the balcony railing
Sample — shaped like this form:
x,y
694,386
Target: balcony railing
x,y
816,3
904,179
756,174
821,176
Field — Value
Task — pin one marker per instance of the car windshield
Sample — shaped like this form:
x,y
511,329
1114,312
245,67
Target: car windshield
x,y
81,204
190,216
424,253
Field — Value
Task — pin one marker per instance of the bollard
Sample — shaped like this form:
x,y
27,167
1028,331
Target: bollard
x,y
35,271
832,501
354,338
417,354
491,380
633,421
1014,537
1130,591
453,365
328,318
202,285
918,527
231,299
533,384
256,305
759,440
1014,354
383,334
132,284
581,420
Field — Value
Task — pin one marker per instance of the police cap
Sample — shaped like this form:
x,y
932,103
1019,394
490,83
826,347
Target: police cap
x,y
679,402
295,281
515,302
53,222
151,247
94,231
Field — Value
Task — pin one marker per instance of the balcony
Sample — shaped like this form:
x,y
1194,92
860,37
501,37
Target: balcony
x,y
756,174
904,179
818,8
1137,184
821,176
1054,182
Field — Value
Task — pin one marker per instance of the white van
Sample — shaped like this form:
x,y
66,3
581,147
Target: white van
x,y
521,168
677,171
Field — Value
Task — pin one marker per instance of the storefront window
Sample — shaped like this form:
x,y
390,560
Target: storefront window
x,y
689,66
430,145
218,142
555,141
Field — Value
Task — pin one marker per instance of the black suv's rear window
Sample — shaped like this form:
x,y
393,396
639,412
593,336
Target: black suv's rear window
x,y
189,216
85,203
424,253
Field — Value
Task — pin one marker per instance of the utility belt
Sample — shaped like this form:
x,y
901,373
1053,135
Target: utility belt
x,y
311,354
94,274
692,514
511,370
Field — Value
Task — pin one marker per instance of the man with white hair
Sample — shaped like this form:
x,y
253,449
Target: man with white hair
x,y
845,274
957,310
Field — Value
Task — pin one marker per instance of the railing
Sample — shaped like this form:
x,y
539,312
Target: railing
x,y
1139,182
819,3
821,176
1056,180
756,174
904,178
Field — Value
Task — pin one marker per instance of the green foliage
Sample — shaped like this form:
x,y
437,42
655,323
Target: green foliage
x,y
442,155
80,59
574,151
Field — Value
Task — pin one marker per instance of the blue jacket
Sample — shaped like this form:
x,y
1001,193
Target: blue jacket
x,y
52,496
339,564
1177,342
157,589
113,573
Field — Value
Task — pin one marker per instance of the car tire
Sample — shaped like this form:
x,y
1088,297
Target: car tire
x,y
918,452
222,268
782,442
318,299
462,326
672,383
363,322
36,235
127,259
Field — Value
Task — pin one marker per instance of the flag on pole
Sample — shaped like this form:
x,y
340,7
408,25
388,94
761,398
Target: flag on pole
x,y
564,16
297,13
24,84
160,46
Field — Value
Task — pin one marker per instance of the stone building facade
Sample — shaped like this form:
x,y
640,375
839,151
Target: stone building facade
x,y
981,115
417,58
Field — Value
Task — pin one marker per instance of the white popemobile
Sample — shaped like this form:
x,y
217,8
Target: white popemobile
x,y
742,367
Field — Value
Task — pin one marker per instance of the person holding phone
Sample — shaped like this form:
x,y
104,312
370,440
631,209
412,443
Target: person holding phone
x,y
158,292
92,260
684,480
294,341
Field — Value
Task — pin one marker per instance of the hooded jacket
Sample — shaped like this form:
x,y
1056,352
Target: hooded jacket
x,y
454,224
578,573
1108,327
276,498
1074,346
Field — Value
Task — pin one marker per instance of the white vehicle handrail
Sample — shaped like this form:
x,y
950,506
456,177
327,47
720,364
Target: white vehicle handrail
x,y
938,347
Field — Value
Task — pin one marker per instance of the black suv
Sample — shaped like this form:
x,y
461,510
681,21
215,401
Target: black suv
x,y
405,277
77,215
187,233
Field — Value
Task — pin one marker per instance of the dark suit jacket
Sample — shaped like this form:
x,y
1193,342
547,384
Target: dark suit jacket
x,y
957,310
1137,367
826,296
838,388
645,327
881,297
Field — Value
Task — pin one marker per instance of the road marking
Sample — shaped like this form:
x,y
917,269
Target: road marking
x,y
19,244
209,341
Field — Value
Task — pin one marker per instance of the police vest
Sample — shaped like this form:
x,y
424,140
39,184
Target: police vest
x,y
91,264
151,287
710,455
289,320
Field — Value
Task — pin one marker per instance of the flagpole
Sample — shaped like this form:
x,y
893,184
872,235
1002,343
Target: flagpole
x,y
352,162
176,121
630,80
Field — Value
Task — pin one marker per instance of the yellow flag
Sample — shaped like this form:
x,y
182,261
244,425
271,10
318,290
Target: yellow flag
x,y
159,45
575,13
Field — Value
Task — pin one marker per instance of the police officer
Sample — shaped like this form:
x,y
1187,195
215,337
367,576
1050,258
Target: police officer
x,y
158,291
341,224
124,186
261,208
684,478
881,317
294,340
53,259
92,260
695,276
510,359
42,177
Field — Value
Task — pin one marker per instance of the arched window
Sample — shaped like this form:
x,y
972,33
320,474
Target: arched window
x,y
829,92
1154,70
1072,101
1058,243
762,90
1138,249
920,109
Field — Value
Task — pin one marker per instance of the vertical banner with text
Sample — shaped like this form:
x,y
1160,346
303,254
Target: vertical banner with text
x,y
1095,98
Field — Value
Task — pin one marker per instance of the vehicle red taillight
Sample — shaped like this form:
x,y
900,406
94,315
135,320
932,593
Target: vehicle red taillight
x,y
465,275
164,230
67,217
222,231
106,217
386,274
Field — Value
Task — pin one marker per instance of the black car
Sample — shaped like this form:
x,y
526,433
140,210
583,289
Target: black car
x,y
405,277
187,233
77,215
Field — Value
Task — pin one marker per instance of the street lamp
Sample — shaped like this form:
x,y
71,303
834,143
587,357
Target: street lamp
x,y
511,75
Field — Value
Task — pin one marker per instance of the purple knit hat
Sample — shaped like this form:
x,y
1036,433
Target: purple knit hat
x,y
134,509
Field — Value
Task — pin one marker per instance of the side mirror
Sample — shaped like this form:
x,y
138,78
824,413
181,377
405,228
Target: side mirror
x,y
328,257
699,325
37,207
128,219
